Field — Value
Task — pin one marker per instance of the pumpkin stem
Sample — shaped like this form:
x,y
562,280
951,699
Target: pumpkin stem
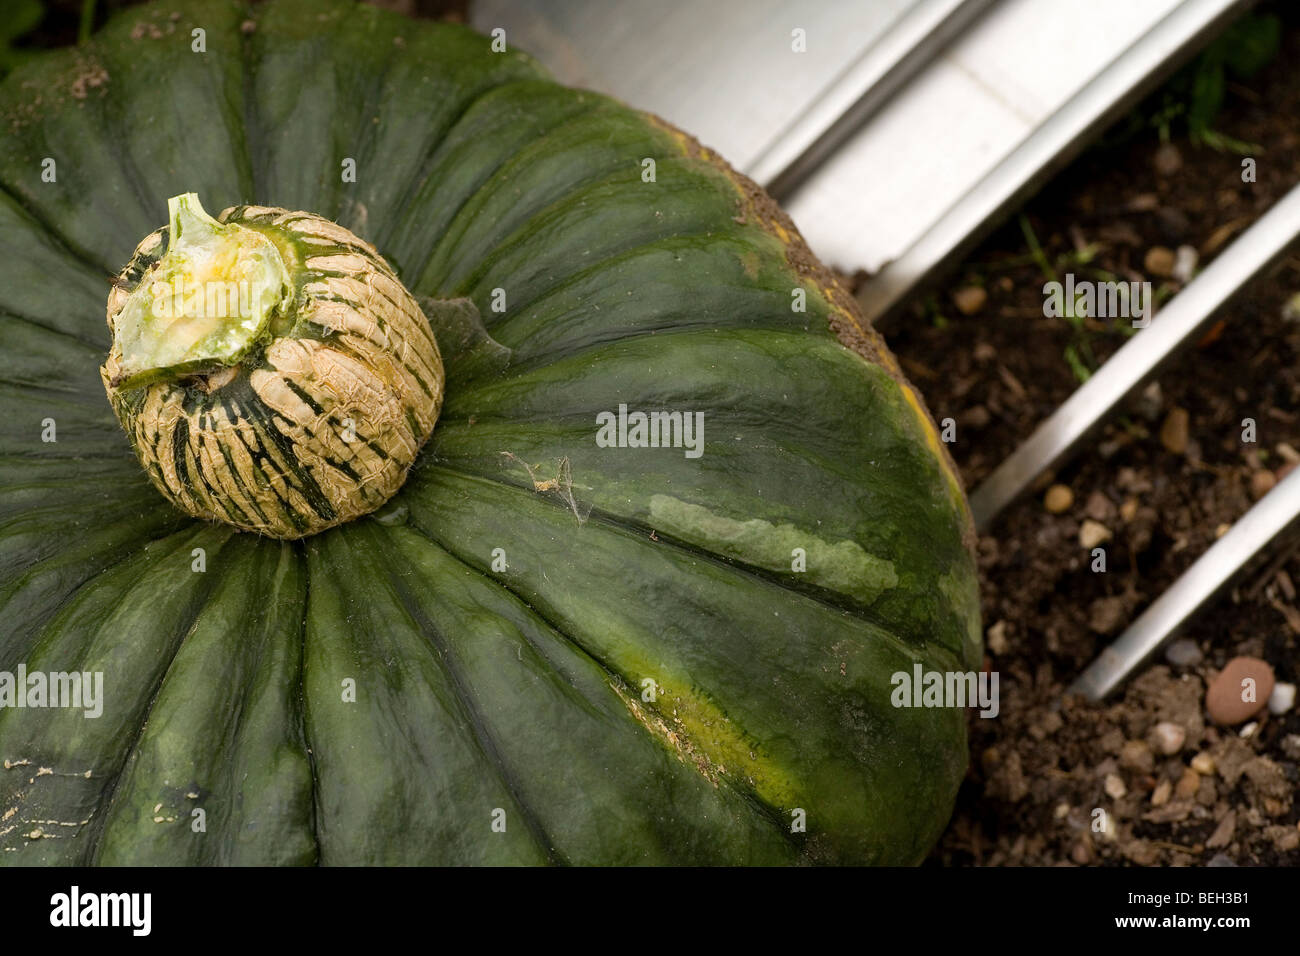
x,y
207,302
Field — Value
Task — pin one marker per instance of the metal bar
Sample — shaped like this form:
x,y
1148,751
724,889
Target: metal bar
x,y
1132,73
1270,517
860,90
1140,357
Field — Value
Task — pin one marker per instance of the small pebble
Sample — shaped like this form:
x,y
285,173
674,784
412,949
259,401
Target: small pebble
x,y
996,638
1160,795
1058,499
1183,652
1282,699
1230,699
1062,811
1159,261
1176,430
969,299
1203,764
1188,784
1114,786
1092,533
1128,510
1081,853
1167,159
1168,737
1220,860
1224,832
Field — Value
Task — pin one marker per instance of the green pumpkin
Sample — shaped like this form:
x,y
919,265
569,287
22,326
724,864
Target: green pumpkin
x,y
552,644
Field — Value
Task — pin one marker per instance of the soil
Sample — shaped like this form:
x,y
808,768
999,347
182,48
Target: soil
x,y
1165,479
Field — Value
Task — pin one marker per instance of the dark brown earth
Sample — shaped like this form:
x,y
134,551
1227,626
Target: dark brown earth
x,y
1041,769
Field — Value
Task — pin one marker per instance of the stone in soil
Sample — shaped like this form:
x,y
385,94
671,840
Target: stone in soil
x,y
1092,533
1168,737
1188,784
969,299
1183,652
1240,691
1059,498
1159,261
996,638
1174,433
1282,699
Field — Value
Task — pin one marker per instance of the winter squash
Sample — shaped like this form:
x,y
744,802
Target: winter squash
x,y
636,597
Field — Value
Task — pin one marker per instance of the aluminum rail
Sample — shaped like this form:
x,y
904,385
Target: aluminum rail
x,y
1271,516
860,91
1141,356
1129,75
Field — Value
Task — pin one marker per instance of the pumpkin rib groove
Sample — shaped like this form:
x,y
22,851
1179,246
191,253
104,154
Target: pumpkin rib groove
x,y
374,89
635,530
14,586
300,552
251,763
105,807
252,138
446,660
519,370
423,280
112,125
51,388
10,314
83,256
420,176
17,644
526,233
44,632
735,785
447,256
616,677
493,320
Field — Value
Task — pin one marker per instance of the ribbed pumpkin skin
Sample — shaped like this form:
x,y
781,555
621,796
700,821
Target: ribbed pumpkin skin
x,y
323,426
478,691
